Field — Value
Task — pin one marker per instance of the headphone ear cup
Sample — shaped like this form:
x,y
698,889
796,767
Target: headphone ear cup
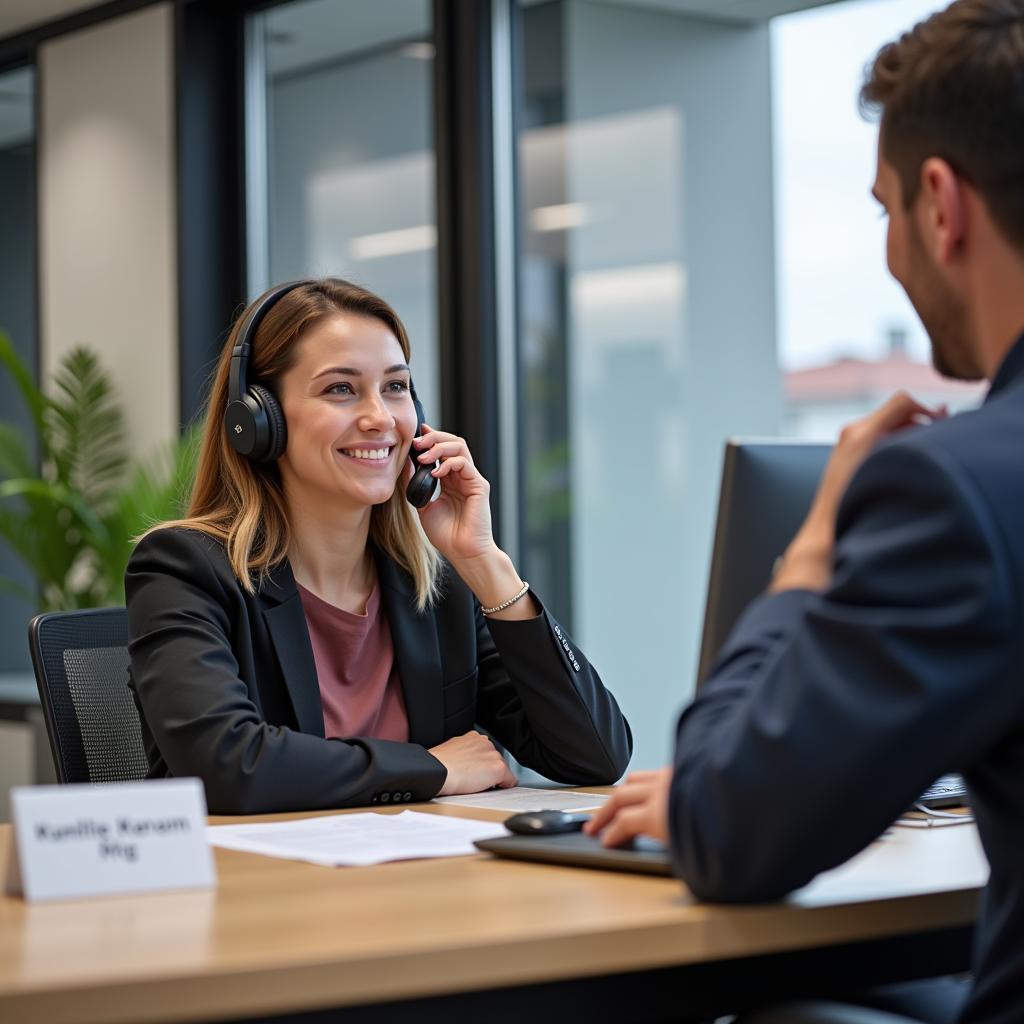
x,y
277,431
246,426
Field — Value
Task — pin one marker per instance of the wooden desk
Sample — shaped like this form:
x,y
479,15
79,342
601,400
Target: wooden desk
x,y
280,937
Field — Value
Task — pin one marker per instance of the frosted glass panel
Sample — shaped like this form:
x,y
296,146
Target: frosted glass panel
x,y
350,155
647,324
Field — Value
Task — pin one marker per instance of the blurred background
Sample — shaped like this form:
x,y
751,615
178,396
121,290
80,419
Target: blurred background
x,y
619,232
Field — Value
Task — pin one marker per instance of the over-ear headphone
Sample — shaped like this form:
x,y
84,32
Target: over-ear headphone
x,y
254,420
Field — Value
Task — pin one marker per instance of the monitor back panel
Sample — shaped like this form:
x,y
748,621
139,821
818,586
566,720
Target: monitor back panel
x,y
767,489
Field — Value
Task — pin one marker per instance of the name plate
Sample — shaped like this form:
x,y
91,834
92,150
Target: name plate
x,y
103,840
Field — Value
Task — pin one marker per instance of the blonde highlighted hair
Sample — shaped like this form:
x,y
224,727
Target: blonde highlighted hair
x,y
241,503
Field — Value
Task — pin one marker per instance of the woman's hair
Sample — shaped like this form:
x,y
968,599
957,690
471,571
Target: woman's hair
x,y
242,503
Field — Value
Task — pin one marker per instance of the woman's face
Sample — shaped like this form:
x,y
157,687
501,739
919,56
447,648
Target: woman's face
x,y
349,413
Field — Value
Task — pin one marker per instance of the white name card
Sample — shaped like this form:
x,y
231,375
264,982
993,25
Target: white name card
x,y
103,840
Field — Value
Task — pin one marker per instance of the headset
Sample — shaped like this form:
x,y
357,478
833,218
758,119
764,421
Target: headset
x,y
254,421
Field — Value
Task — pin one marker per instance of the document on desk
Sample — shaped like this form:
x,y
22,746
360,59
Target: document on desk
x,y
353,840
523,798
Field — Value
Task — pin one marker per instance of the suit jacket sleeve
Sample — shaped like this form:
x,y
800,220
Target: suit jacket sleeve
x,y
540,697
827,715
202,717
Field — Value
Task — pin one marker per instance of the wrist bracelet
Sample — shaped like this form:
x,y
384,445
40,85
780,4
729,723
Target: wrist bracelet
x,y
506,604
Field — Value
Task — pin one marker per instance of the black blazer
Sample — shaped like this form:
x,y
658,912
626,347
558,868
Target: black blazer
x,y
227,690
826,715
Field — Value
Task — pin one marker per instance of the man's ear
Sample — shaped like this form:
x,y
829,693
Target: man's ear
x,y
940,209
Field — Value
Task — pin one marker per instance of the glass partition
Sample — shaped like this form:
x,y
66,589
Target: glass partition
x,y
341,155
17,313
647,312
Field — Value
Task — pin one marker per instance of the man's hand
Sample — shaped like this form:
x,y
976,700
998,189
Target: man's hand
x,y
638,807
473,764
807,563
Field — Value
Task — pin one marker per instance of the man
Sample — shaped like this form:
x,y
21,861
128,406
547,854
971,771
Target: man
x,y
890,648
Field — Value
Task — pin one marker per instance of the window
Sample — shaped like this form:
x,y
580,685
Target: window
x,y
668,163
647,323
848,336
341,157
698,258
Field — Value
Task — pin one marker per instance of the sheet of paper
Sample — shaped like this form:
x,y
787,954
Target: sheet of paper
x,y
358,839
522,798
923,821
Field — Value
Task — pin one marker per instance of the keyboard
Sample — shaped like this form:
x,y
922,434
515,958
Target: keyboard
x,y
945,791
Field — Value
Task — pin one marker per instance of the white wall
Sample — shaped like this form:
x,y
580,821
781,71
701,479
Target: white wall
x,y
107,269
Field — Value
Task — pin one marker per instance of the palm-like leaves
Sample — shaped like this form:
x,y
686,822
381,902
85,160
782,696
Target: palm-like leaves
x,y
154,492
73,521
86,429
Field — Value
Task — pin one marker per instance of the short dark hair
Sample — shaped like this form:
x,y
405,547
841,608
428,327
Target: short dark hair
x,y
953,87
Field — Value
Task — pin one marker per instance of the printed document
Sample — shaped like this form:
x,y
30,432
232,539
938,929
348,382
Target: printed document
x,y
358,839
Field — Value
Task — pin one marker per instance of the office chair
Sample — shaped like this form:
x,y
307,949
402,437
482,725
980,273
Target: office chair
x,y
80,660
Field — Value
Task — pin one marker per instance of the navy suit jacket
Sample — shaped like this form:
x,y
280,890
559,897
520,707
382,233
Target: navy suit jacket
x,y
826,715
226,687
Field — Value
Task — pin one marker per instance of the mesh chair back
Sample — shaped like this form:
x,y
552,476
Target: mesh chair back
x,y
80,660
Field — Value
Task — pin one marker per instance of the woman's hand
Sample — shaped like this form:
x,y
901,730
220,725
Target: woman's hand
x,y
458,523
473,764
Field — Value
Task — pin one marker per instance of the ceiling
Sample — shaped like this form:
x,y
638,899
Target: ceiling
x,y
305,33
727,10
19,15
716,10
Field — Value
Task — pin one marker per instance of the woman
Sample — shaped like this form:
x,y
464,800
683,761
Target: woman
x,y
296,641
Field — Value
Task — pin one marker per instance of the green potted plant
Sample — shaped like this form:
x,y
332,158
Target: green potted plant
x,y
71,516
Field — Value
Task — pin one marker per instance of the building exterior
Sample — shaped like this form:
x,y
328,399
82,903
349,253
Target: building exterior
x,y
820,400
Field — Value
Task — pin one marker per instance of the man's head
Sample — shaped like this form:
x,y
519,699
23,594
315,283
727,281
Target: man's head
x,y
951,97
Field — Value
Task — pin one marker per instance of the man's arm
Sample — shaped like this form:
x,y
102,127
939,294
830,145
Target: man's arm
x,y
826,715
808,562
641,805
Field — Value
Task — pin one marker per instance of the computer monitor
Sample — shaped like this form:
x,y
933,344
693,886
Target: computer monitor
x,y
767,488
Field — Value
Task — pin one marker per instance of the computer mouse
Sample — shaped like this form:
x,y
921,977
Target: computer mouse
x,y
545,823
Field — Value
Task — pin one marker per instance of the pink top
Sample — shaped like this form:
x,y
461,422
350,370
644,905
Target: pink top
x,y
355,665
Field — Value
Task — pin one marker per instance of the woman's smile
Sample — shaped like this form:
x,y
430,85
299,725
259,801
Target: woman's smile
x,y
375,457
